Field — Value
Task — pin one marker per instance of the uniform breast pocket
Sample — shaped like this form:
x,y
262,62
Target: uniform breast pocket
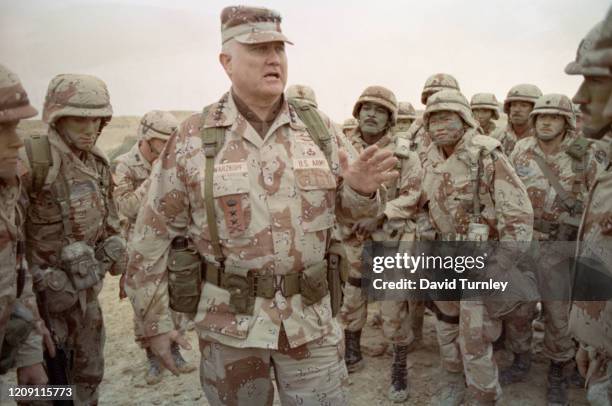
x,y
232,206
317,188
44,210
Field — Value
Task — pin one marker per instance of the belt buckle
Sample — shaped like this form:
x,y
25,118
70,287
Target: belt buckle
x,y
279,284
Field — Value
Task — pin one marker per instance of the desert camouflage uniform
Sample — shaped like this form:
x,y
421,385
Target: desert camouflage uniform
x,y
447,191
398,208
348,127
508,138
92,218
131,178
548,211
287,198
15,105
590,322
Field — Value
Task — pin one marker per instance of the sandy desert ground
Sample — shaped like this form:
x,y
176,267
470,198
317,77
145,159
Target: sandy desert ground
x,y
125,362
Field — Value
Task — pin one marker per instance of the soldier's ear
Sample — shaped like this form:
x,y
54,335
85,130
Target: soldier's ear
x,y
226,62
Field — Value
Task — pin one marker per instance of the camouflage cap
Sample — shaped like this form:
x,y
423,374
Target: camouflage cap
x,y
523,92
379,95
303,93
14,102
589,43
251,25
406,111
350,123
437,82
449,100
157,124
554,104
76,95
485,101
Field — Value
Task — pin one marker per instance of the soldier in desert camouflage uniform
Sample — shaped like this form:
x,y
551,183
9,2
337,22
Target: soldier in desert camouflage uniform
x,y
465,343
259,212
303,93
131,172
485,108
349,126
72,228
556,158
406,114
15,278
518,104
419,139
591,322
376,111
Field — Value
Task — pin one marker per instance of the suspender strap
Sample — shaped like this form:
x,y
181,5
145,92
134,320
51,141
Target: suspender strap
x,y
566,198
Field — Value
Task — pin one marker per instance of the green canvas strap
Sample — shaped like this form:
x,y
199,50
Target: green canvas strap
x,y
212,141
315,126
566,198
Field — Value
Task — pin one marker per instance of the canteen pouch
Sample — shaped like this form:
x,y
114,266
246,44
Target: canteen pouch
x,y
184,279
79,262
313,283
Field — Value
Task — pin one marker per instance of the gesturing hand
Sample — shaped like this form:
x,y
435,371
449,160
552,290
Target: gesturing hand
x,y
373,168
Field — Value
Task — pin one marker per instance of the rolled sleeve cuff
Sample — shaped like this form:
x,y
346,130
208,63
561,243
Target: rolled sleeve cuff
x,y
369,205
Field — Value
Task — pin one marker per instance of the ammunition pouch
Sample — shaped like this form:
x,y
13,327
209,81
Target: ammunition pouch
x,y
184,280
18,328
112,255
60,291
80,263
244,286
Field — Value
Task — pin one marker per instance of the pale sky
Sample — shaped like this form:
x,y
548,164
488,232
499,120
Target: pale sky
x,y
164,54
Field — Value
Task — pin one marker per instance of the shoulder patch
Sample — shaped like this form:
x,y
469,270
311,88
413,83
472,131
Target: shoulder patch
x,y
600,156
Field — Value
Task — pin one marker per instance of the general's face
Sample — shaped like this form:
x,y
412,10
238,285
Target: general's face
x,y
81,132
10,142
373,118
519,112
258,71
483,116
592,96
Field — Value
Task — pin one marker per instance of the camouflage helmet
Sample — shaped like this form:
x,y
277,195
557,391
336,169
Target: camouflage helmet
x,y
379,95
303,93
554,104
157,124
437,82
523,92
449,100
485,101
406,111
350,123
76,95
588,44
14,102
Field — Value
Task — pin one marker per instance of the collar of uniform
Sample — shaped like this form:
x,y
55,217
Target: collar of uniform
x,y
62,147
568,139
381,143
138,157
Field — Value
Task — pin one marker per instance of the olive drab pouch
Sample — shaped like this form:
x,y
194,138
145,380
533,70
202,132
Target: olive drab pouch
x,y
184,277
18,328
112,255
239,283
61,293
313,283
80,263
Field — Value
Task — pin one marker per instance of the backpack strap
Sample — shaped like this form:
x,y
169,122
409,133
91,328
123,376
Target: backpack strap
x,y
212,142
315,126
38,151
